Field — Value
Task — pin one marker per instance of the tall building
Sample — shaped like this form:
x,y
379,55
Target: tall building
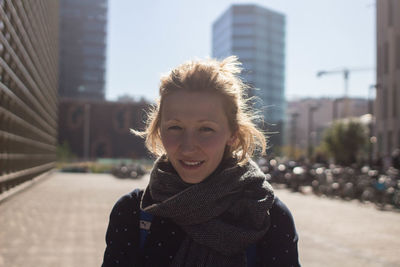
x,y
257,36
388,77
28,89
82,48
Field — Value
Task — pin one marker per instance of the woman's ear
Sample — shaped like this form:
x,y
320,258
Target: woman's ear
x,y
231,140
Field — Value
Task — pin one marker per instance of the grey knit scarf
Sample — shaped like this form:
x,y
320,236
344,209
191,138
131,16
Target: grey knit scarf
x,y
221,215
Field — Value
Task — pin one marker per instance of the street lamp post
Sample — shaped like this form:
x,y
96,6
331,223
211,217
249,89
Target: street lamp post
x,y
370,125
293,134
311,110
86,132
335,109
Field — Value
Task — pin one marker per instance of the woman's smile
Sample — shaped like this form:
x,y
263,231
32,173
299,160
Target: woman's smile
x,y
191,164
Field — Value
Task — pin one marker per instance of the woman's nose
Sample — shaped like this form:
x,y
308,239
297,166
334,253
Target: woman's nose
x,y
188,143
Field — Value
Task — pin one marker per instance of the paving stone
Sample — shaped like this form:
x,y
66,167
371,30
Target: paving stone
x,y
61,221
334,232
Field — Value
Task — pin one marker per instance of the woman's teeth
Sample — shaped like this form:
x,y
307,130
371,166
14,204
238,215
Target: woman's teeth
x,y
191,163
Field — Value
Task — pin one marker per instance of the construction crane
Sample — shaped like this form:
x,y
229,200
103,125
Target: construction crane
x,y
346,74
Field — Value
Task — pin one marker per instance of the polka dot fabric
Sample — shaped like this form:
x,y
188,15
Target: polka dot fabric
x,y
277,248
279,245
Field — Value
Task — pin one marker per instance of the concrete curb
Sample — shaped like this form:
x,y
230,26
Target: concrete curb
x,y
22,187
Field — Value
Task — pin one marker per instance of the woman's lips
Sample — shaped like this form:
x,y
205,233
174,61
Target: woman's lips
x,y
191,164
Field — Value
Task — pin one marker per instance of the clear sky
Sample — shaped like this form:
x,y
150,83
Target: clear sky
x,y
148,38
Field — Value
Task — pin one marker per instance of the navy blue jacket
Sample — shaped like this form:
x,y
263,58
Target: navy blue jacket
x,y
277,248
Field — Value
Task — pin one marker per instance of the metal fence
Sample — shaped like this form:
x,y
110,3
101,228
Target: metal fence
x,y
28,89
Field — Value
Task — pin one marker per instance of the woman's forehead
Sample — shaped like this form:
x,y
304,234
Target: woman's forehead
x,y
182,105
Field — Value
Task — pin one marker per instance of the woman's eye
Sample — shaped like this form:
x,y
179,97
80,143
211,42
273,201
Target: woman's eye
x,y
174,128
206,129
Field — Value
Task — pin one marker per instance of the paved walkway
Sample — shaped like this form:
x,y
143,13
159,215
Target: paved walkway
x,y
335,232
62,220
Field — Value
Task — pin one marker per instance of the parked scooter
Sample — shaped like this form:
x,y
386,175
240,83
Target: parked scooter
x,y
133,171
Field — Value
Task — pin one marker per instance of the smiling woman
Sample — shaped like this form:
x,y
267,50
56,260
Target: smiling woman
x,y
211,204
194,133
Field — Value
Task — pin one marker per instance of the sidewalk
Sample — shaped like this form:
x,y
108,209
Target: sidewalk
x,y
61,221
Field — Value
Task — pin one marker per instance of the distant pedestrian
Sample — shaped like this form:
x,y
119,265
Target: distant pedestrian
x,y
207,203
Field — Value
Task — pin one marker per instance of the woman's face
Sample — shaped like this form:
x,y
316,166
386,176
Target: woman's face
x,y
194,133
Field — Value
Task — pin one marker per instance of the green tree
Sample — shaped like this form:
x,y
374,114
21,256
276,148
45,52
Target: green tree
x,y
345,141
64,153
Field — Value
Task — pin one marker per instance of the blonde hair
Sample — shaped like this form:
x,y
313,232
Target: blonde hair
x,y
222,78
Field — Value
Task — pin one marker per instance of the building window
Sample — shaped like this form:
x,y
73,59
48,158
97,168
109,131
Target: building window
x,y
75,116
398,138
121,120
398,52
380,148
389,142
390,12
101,148
386,58
379,59
385,103
394,102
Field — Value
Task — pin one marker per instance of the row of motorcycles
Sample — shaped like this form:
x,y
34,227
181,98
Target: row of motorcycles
x,y
364,184
132,171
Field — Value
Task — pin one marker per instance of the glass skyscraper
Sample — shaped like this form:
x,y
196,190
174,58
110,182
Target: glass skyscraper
x,y
257,36
83,30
